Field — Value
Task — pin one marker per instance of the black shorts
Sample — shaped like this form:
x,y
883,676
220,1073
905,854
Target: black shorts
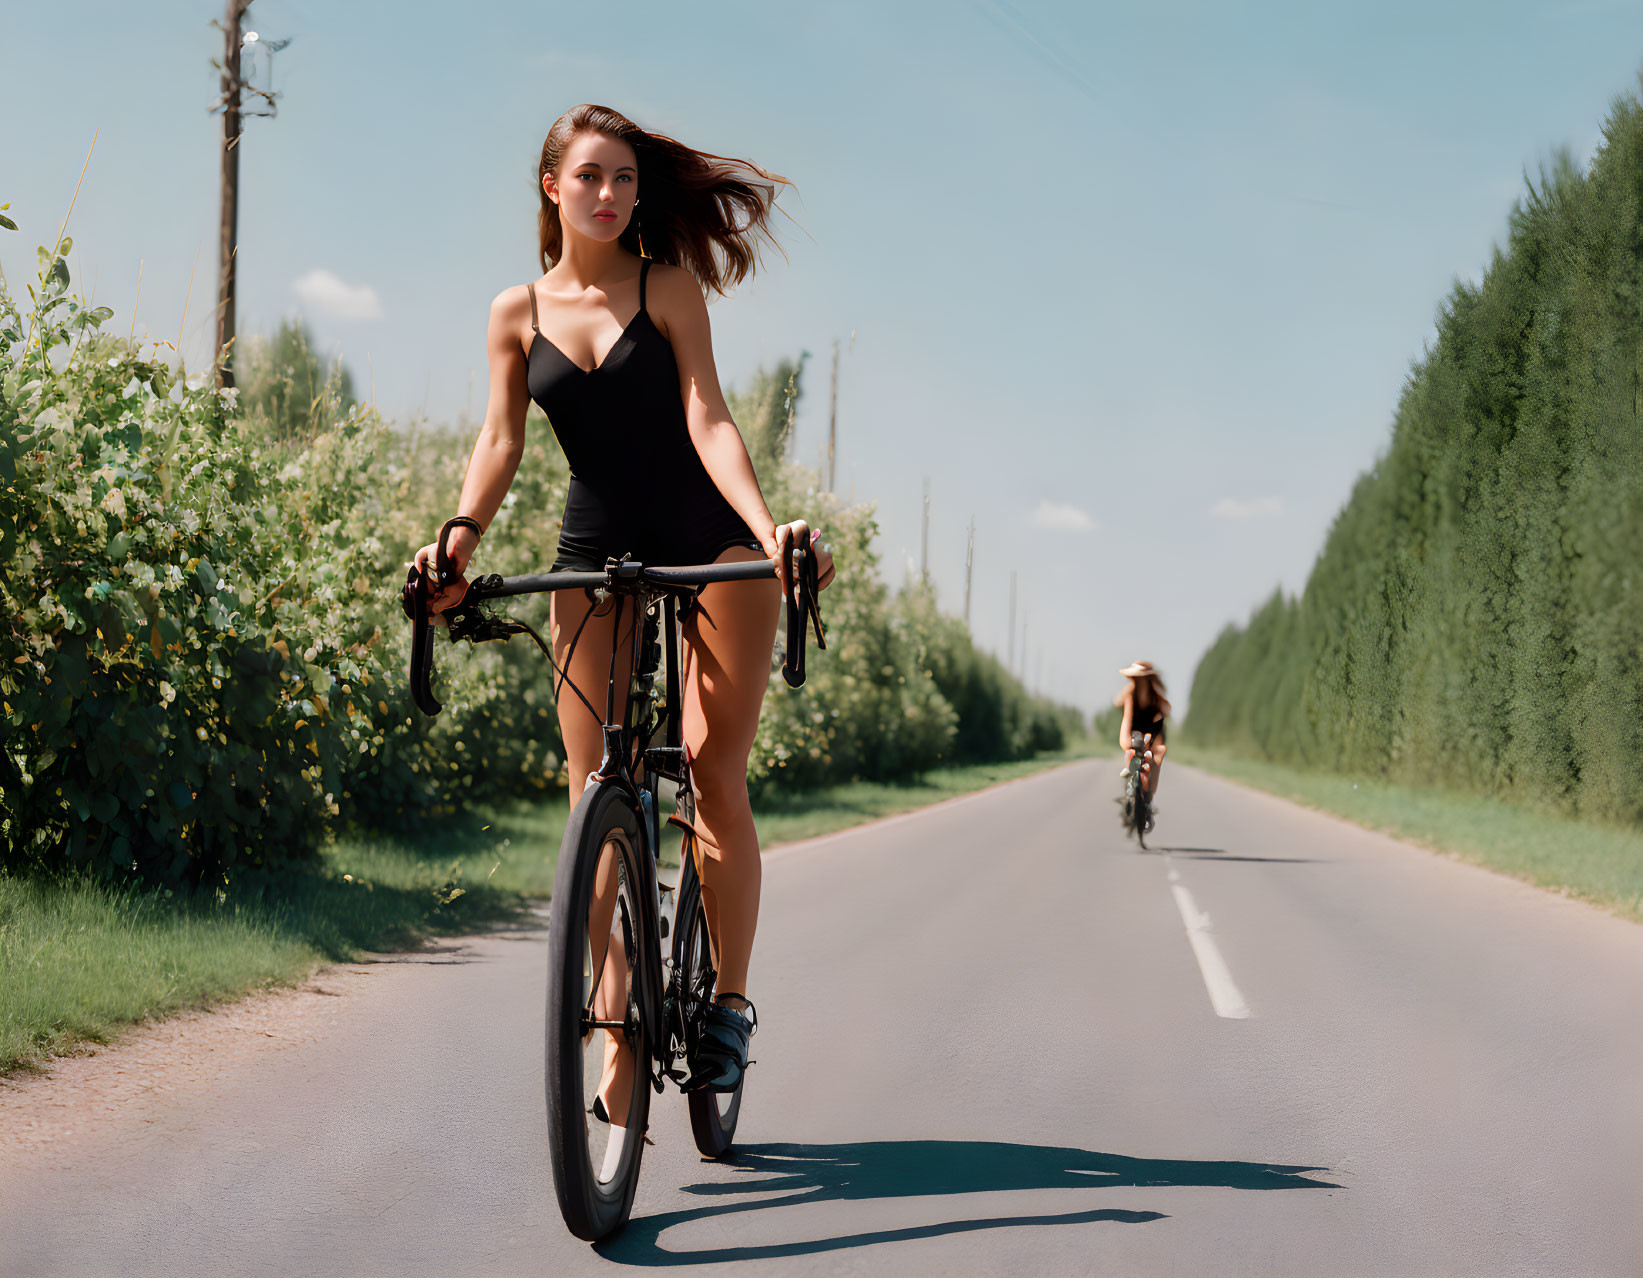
x,y
693,525
581,561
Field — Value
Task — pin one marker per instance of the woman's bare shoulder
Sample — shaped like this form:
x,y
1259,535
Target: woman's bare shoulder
x,y
665,276
674,288
675,302
513,302
509,328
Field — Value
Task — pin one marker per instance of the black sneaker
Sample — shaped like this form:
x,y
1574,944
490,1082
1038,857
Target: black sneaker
x,y
720,1054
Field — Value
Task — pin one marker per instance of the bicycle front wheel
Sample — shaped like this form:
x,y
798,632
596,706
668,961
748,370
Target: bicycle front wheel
x,y
713,1114
597,1056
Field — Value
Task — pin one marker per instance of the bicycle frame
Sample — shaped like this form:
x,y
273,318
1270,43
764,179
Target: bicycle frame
x,y
1140,764
654,594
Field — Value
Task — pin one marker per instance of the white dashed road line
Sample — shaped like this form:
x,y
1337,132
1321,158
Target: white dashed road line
x,y
1223,992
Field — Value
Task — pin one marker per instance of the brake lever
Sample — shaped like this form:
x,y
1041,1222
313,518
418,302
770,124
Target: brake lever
x,y
415,599
804,610
812,588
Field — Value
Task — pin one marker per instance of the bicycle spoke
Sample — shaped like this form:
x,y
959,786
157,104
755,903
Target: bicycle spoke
x,y
608,1062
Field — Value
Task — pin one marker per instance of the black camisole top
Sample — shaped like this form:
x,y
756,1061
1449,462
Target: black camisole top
x,y
1147,718
638,486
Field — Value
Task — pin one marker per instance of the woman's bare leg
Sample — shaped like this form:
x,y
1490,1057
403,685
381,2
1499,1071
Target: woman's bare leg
x,y
1157,748
729,635
589,670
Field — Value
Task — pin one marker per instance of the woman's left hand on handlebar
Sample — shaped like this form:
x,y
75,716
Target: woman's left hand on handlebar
x,y
798,532
460,546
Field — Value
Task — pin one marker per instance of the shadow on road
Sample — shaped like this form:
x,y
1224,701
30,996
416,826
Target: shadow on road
x,y
788,1174
1221,854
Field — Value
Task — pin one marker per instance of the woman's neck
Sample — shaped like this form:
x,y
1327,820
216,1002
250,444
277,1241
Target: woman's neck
x,y
584,263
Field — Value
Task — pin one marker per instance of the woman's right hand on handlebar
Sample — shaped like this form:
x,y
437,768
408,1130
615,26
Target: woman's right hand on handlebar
x,y
459,547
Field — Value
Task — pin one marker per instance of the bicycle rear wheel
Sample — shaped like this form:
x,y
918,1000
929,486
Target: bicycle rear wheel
x,y
597,943
713,1115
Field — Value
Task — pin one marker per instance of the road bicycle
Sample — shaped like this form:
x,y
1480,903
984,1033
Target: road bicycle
x,y
1137,801
618,965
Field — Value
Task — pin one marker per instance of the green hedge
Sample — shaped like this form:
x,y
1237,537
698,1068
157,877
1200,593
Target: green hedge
x,y
1475,619
202,655
141,699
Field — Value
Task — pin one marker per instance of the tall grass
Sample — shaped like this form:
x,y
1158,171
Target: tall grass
x,y
1598,863
79,958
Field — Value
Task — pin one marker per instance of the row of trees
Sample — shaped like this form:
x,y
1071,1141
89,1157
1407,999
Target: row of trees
x,y
202,653
1475,619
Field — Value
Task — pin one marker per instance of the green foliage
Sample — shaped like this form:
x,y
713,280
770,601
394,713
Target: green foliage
x,y
997,719
901,688
764,412
285,390
139,703
1475,618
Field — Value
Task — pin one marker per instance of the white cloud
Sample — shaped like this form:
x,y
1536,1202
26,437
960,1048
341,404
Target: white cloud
x,y
1254,508
327,294
1058,517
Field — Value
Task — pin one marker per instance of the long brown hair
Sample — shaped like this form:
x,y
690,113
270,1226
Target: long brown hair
x,y
1155,692
699,211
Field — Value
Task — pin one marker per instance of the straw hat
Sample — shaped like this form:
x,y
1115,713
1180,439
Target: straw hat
x,y
1138,671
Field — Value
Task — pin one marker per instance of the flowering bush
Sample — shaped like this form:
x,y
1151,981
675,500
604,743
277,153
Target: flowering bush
x,y
201,652
141,702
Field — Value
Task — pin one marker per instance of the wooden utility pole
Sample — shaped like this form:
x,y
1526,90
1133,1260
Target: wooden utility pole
x,y
1009,661
234,86
228,222
924,538
833,423
969,563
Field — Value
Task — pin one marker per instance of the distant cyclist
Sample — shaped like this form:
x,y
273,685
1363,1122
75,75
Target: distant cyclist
x,y
1145,709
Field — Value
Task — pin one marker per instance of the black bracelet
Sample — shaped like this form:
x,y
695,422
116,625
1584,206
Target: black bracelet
x,y
442,559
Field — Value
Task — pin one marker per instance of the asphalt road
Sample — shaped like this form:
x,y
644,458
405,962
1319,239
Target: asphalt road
x,y
996,1038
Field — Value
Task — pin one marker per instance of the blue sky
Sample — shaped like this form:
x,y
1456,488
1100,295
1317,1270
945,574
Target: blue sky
x,y
1135,286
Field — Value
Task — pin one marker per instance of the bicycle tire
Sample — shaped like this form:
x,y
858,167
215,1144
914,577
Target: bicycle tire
x,y
604,825
713,1115
1126,813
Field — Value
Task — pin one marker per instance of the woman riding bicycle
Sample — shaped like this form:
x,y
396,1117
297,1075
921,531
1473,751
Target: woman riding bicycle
x,y
1145,709
636,226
